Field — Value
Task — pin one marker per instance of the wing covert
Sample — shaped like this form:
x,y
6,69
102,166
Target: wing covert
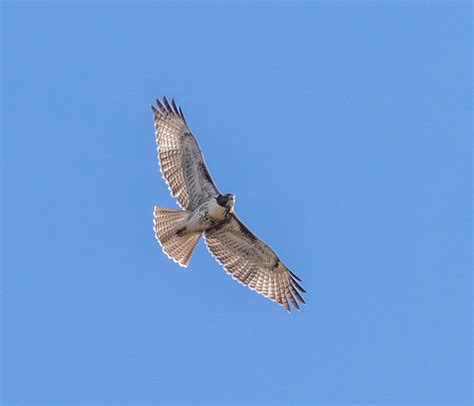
x,y
181,160
253,263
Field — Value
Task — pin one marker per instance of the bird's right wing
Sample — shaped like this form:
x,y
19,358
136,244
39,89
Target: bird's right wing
x,y
253,263
181,160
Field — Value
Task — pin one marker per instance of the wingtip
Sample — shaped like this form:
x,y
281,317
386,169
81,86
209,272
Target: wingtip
x,y
182,114
300,288
295,292
292,300
160,106
175,107
164,107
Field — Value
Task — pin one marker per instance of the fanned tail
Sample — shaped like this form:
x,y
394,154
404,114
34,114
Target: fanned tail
x,y
178,247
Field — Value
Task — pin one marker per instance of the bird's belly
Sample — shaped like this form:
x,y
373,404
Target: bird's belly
x,y
202,220
200,224
196,223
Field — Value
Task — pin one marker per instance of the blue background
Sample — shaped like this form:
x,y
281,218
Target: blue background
x,y
343,129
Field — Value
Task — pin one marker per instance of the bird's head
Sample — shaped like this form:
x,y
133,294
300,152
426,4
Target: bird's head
x,y
226,201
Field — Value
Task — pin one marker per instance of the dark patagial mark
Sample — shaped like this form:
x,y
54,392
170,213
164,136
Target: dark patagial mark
x,y
205,172
245,231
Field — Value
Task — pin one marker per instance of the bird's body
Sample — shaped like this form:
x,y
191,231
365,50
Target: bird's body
x,y
207,216
206,211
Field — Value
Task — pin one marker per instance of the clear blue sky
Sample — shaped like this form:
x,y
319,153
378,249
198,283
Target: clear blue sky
x,y
343,129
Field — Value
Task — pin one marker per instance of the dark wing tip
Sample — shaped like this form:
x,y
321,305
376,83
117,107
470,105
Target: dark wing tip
x,y
181,114
293,281
292,300
296,293
175,108
294,275
160,106
165,107
167,104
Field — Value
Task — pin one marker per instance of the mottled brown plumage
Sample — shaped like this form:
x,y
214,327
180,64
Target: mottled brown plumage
x,y
243,255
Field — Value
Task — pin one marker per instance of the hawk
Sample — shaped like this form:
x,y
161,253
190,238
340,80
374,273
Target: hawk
x,y
205,211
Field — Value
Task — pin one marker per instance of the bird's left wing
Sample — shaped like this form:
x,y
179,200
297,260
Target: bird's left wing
x,y
253,263
181,160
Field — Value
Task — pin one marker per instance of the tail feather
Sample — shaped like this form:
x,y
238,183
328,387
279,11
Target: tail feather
x,y
177,247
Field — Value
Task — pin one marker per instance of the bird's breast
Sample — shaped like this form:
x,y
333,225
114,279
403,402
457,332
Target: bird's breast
x,y
215,210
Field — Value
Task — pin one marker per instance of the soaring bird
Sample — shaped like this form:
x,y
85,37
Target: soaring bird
x,y
206,211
